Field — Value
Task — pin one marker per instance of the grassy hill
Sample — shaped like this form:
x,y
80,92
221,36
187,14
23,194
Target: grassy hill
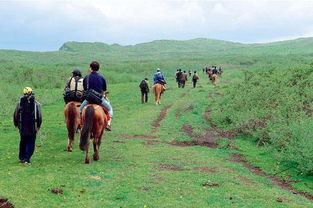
x,y
146,165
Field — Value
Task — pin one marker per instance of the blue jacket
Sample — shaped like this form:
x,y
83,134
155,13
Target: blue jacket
x,y
158,77
96,81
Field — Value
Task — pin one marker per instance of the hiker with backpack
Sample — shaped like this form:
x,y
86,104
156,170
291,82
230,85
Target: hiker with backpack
x,y
195,79
27,118
74,88
144,88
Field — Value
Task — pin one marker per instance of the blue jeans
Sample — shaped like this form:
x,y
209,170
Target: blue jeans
x,y
105,103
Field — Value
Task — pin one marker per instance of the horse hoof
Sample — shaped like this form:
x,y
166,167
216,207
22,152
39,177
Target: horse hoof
x,y
95,157
87,161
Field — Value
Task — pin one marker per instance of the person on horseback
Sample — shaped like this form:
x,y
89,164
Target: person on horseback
x,y
144,88
158,78
74,89
27,117
95,86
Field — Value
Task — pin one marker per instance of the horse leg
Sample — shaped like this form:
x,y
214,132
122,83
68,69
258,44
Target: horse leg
x,y
70,144
87,160
95,149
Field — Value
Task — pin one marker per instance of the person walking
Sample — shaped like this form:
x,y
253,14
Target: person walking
x,y
144,88
95,85
178,77
183,79
27,118
195,79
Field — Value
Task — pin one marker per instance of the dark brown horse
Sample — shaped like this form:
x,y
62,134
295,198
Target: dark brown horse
x,y
94,122
71,113
158,89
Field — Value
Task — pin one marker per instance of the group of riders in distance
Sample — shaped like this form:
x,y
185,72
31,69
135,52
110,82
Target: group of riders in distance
x,y
88,108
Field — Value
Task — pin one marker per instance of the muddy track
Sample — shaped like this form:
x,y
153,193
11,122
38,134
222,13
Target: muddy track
x,y
156,123
256,170
207,140
4,203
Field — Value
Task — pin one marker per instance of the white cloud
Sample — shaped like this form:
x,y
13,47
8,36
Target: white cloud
x,y
46,24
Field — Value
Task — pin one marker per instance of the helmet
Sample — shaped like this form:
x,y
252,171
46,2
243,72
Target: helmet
x,y
27,91
77,72
158,69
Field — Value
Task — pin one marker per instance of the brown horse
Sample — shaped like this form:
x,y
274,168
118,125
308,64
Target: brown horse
x,y
214,78
94,123
71,113
158,90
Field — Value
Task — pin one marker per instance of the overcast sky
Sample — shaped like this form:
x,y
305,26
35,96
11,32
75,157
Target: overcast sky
x,y
44,25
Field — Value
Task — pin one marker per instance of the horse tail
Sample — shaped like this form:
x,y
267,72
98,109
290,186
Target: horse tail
x,y
71,120
87,127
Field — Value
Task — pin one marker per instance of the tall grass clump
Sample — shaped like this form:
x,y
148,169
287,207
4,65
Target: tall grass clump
x,y
274,106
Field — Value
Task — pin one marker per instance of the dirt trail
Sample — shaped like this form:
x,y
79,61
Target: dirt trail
x,y
156,123
242,160
256,170
4,203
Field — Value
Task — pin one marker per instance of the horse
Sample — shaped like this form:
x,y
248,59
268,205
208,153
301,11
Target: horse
x,y
71,113
158,89
94,121
214,78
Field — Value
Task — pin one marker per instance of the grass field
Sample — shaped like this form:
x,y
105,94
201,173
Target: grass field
x,y
178,154
138,166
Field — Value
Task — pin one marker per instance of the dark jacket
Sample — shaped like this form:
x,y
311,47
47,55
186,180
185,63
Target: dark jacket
x,y
183,77
27,116
96,82
144,86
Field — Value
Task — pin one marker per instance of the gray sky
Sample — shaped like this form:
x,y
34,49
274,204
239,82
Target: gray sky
x,y
44,25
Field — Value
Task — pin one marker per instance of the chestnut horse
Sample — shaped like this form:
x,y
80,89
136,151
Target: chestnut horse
x,y
71,113
214,78
158,89
94,122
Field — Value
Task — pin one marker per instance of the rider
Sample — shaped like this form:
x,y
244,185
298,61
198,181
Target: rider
x,y
95,82
74,89
158,78
27,117
214,71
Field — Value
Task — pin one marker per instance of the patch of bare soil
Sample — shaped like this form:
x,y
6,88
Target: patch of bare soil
x,y
151,142
210,184
206,169
4,203
207,139
136,136
118,141
256,170
185,109
57,191
163,166
99,178
156,123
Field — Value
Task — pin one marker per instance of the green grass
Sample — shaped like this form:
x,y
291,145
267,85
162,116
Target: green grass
x,y
130,174
134,171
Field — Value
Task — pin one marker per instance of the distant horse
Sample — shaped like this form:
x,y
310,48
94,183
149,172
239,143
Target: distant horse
x,y
94,122
71,113
209,75
214,78
158,89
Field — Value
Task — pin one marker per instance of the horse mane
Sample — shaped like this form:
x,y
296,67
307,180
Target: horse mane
x,y
87,127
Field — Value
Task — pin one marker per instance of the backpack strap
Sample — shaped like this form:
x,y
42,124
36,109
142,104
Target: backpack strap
x,y
87,82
